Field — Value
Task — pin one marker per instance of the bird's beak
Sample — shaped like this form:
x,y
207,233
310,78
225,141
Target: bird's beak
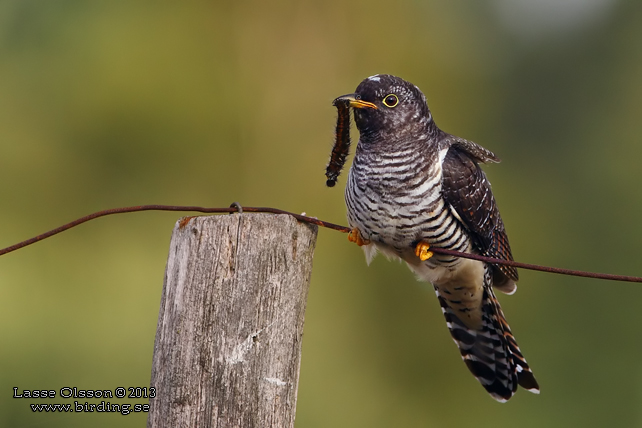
x,y
353,101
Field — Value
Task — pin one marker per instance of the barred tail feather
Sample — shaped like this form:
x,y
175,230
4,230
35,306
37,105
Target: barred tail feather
x,y
525,377
491,354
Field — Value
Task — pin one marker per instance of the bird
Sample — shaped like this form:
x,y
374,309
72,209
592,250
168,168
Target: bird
x,y
412,187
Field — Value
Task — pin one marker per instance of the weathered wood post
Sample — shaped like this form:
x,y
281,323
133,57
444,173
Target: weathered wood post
x,y
228,341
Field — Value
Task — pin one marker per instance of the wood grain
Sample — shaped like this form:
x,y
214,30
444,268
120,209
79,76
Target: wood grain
x,y
228,341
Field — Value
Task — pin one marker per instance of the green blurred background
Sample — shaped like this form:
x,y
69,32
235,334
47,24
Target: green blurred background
x,y
109,104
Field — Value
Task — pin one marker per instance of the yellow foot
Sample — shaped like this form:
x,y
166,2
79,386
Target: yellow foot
x,y
421,251
355,236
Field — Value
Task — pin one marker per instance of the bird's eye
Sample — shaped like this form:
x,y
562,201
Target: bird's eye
x,y
391,100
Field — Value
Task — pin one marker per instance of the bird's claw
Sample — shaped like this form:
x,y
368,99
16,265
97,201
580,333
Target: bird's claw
x,y
355,236
422,251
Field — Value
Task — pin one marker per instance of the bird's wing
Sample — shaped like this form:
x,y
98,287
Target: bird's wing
x,y
468,192
476,151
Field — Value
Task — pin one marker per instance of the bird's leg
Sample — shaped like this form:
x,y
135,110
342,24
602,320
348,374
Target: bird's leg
x,y
421,251
355,236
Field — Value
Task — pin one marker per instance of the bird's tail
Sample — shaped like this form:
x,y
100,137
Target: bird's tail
x,y
491,353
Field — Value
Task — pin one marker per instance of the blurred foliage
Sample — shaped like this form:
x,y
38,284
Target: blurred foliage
x,y
106,104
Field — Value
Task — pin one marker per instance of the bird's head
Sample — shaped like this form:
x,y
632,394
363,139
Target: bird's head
x,y
388,106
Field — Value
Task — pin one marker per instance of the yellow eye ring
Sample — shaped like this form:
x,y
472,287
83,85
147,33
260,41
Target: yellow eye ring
x,y
390,100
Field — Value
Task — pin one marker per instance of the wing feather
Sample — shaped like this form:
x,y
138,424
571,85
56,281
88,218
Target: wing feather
x,y
467,190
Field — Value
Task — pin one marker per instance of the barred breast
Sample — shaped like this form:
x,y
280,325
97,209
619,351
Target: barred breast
x,y
395,200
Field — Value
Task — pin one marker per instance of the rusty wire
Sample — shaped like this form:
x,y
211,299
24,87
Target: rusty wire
x,y
237,208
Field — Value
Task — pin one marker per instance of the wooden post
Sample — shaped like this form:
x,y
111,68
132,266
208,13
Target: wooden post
x,y
228,341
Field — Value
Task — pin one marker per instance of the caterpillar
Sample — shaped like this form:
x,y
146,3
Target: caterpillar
x,y
341,144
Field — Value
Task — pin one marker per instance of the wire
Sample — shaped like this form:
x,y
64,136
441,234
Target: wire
x,y
237,208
